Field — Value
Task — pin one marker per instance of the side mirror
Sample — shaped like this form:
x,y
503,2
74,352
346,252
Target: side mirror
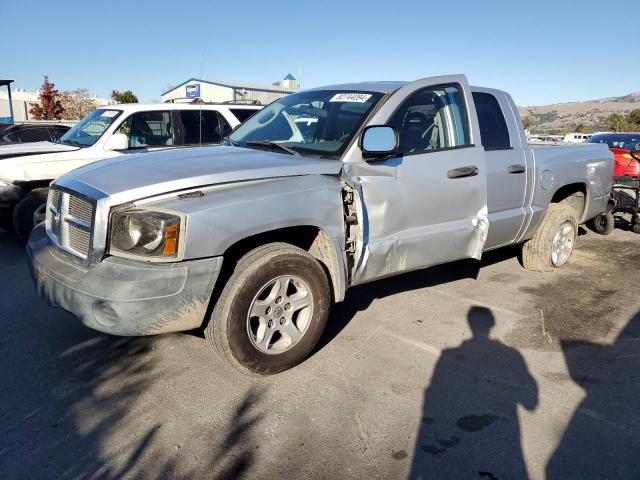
x,y
117,141
635,153
379,141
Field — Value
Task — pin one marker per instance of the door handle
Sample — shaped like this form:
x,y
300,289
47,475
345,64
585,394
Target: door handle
x,y
517,169
470,171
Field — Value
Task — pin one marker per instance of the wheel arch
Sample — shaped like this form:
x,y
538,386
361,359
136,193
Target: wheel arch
x,y
313,239
575,195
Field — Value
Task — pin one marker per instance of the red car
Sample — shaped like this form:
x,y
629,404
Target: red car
x,y
625,148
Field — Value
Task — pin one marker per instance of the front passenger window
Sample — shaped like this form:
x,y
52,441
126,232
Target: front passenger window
x,y
148,129
432,119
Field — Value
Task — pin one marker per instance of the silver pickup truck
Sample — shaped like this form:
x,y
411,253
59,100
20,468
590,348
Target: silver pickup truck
x,y
320,191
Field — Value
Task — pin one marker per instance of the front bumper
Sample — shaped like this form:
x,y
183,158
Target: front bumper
x,y
124,297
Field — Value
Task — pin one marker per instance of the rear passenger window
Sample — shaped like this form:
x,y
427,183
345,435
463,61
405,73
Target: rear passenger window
x,y
493,127
242,113
432,119
148,129
203,126
34,135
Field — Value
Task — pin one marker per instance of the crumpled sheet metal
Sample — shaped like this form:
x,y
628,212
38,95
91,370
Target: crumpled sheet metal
x,y
395,240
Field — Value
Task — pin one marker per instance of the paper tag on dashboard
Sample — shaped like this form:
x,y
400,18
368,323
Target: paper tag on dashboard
x,y
109,113
350,97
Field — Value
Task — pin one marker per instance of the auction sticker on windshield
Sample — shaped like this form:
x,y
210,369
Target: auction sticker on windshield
x,y
350,97
109,113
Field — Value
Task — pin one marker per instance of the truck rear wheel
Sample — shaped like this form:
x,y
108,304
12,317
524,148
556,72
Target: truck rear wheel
x,y
272,311
603,223
29,211
553,243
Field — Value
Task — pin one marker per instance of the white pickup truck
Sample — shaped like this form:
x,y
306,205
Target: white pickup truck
x,y
27,169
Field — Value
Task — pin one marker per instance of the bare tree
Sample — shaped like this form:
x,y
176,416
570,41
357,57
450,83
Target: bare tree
x,y
76,103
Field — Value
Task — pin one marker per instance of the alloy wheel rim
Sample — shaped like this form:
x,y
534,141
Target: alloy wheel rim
x,y
40,215
280,314
562,244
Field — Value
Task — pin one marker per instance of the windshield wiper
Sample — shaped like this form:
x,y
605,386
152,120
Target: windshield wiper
x,y
266,143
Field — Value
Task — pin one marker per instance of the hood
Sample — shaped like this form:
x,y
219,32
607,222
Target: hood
x,y
33,148
133,177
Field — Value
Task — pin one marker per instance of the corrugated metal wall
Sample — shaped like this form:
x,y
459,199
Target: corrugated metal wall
x,y
263,97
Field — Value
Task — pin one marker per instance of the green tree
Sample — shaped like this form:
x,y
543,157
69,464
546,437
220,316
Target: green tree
x,y
124,97
624,123
634,118
582,128
616,122
529,122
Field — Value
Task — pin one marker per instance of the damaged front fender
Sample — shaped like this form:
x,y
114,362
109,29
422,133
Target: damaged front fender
x,y
124,297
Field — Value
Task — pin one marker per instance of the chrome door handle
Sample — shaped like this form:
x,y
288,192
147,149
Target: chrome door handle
x,y
461,172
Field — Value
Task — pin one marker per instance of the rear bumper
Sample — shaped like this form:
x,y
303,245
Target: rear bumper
x,y
124,297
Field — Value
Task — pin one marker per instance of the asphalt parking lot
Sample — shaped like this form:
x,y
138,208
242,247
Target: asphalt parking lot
x,y
469,370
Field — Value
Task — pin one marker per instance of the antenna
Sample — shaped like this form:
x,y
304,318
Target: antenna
x,y
299,77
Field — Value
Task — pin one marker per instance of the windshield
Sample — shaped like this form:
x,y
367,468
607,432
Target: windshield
x,y
625,141
317,122
88,130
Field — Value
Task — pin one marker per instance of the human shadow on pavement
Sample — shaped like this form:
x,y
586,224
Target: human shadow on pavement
x,y
360,297
602,439
470,426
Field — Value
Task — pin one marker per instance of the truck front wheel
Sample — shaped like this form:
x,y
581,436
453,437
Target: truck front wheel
x,y
272,311
29,211
553,243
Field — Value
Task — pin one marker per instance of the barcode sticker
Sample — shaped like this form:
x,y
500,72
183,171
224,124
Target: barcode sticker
x,y
350,97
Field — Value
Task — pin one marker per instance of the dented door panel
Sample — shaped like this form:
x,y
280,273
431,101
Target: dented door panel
x,y
414,210
414,216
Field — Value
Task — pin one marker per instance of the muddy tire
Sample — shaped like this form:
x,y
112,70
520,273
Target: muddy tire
x,y
23,212
272,310
603,223
635,223
554,241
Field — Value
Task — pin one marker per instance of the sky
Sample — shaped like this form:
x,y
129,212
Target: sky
x,y
541,52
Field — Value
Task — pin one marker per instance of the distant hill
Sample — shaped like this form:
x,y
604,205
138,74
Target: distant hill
x,y
591,113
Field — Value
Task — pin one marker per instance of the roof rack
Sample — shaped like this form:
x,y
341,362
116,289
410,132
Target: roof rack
x,y
199,101
243,102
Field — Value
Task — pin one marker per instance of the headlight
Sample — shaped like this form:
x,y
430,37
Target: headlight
x,y
145,233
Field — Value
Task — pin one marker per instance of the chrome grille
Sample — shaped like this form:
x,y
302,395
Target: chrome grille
x,y
79,239
80,209
70,221
53,209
